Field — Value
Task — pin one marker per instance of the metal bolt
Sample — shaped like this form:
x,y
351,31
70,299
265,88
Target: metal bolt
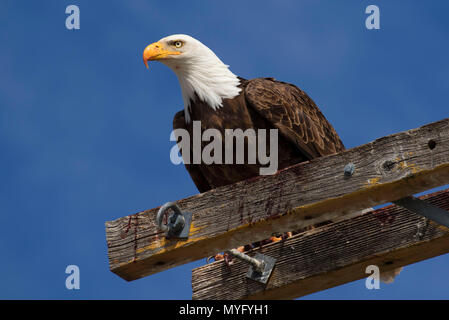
x,y
349,169
176,221
175,224
261,265
258,265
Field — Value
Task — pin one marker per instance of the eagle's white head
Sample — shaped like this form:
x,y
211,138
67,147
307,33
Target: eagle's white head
x,y
198,69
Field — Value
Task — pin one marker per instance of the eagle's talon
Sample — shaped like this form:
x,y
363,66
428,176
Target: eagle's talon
x,y
275,239
219,257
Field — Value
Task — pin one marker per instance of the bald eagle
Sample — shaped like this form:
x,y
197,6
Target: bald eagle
x,y
221,100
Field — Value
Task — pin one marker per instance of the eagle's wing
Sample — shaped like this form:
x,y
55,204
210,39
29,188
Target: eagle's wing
x,y
295,115
198,178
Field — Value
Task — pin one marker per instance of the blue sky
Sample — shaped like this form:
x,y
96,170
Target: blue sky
x,y
84,126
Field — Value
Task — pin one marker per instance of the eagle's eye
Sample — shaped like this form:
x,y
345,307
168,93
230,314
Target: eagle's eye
x,y
178,44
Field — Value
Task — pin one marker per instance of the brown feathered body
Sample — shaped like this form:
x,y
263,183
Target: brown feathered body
x,y
263,103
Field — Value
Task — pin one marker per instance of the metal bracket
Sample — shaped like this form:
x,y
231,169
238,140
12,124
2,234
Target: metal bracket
x,y
260,267
425,209
178,223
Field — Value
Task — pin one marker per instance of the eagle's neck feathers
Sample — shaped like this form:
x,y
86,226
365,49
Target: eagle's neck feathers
x,y
207,78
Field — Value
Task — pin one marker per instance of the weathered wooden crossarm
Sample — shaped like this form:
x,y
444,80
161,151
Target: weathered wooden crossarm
x,y
331,255
385,170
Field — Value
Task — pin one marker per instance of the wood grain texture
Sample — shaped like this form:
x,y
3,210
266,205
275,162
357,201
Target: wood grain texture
x,y
331,255
386,169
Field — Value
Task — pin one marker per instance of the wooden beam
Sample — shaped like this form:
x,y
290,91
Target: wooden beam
x,y
386,169
331,255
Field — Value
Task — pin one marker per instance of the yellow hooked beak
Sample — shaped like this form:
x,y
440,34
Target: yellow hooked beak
x,y
156,51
